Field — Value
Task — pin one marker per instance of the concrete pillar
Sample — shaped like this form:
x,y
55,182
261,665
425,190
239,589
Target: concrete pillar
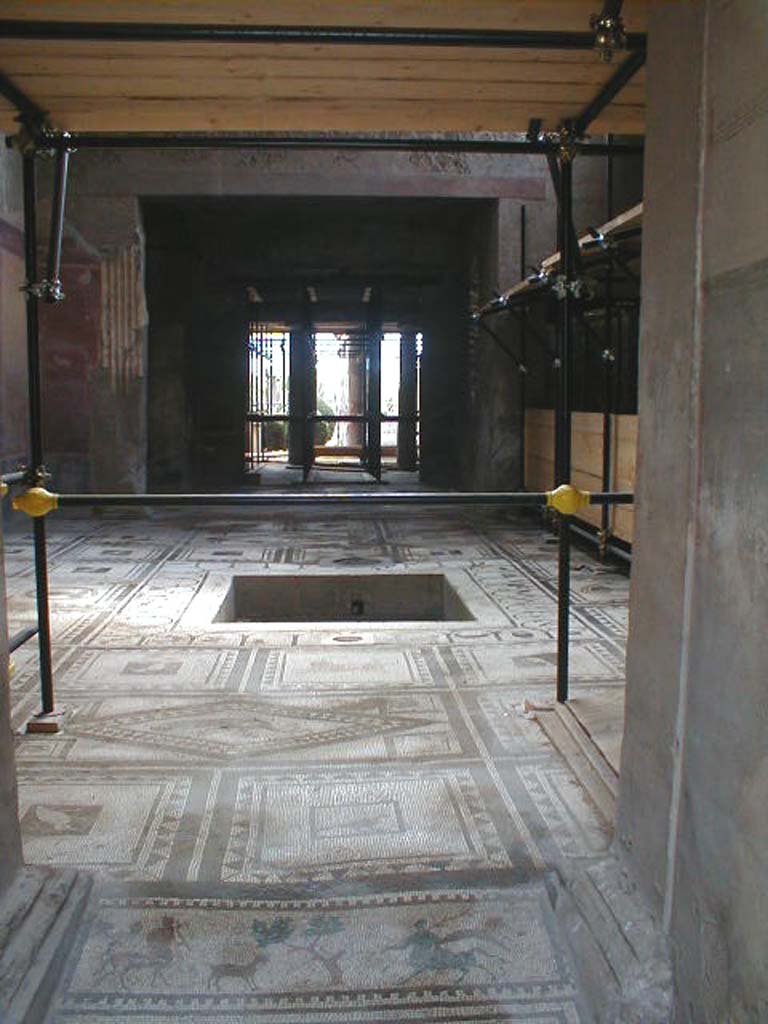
x,y
408,403
692,823
302,397
373,387
355,432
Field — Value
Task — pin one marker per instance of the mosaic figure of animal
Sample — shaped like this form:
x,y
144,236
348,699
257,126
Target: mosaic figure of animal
x,y
242,972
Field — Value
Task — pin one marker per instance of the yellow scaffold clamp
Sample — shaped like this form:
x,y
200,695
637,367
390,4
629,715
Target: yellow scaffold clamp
x,y
567,500
36,502
3,489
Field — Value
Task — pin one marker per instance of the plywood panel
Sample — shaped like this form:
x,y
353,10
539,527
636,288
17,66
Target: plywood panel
x,y
333,84
564,15
313,115
586,460
109,86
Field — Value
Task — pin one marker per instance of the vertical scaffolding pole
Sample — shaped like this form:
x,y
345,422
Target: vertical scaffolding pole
x,y
46,720
563,406
608,360
523,342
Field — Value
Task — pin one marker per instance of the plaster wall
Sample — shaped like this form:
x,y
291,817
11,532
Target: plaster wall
x,y
692,825
95,350
13,349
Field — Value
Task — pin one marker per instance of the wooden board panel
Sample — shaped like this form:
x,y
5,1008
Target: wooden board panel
x,y
335,83
539,474
563,15
234,87
586,460
623,523
50,51
323,114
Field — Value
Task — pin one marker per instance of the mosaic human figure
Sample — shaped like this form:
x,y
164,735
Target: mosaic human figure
x,y
428,951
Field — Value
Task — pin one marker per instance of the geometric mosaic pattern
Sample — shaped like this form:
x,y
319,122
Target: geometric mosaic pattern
x,y
343,823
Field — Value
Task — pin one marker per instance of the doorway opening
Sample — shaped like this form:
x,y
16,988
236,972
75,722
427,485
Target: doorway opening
x,y
337,397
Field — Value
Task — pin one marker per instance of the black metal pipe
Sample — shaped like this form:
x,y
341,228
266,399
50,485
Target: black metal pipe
x,y
29,111
20,476
163,140
502,345
608,360
623,74
565,327
36,432
563,605
33,326
593,539
259,417
312,500
20,638
53,271
566,239
135,32
523,322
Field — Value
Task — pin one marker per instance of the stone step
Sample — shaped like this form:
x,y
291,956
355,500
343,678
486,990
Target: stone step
x,y
584,758
38,918
622,962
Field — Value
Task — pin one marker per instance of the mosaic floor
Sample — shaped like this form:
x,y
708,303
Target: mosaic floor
x,y
331,823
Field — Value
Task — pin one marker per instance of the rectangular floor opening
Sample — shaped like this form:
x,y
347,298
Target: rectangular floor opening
x,y
403,597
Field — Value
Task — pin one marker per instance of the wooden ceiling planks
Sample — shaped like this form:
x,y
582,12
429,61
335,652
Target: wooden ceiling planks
x,y
539,15
147,87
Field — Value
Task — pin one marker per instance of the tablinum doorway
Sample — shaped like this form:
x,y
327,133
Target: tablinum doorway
x,y
360,388
205,254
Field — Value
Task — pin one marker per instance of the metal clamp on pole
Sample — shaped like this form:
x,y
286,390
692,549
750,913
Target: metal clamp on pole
x,y
568,500
36,502
578,287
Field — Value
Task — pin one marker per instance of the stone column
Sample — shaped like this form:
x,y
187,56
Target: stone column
x,y
356,391
692,825
408,403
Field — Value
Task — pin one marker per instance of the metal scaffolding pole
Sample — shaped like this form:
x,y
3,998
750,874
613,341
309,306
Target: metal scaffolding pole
x,y
329,141
523,341
38,502
312,35
47,720
608,357
564,395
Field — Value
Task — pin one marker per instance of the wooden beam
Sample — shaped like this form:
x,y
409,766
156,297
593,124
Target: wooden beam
x,y
206,89
544,15
325,115
235,67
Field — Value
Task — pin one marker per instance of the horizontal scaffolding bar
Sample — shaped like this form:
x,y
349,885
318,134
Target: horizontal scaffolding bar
x,y
266,417
623,74
167,140
26,107
319,500
19,477
135,32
